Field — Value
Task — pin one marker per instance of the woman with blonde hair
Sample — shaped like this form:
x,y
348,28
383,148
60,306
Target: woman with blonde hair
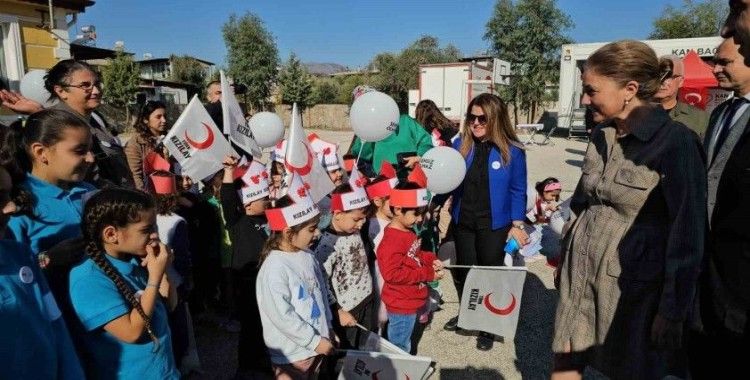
x,y
630,260
489,207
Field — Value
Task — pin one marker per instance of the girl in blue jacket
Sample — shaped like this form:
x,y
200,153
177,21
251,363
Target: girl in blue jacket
x,y
490,205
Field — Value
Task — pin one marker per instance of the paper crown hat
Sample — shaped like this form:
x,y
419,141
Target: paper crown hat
x,y
279,151
412,198
254,183
157,168
300,211
325,152
382,188
357,198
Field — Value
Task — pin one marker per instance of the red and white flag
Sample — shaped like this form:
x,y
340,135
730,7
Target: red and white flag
x,y
300,159
197,143
491,301
235,124
382,366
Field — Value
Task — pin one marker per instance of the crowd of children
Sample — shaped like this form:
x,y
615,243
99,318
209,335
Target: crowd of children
x,y
109,279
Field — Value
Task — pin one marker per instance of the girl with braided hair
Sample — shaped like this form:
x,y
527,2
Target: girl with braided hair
x,y
118,292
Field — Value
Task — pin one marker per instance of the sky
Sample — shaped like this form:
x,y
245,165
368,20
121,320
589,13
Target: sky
x,y
350,32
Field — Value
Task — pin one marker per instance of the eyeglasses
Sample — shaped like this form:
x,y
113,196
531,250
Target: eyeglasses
x,y
481,118
85,86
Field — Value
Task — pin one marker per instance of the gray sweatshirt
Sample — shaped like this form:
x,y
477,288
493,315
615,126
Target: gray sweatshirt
x,y
293,303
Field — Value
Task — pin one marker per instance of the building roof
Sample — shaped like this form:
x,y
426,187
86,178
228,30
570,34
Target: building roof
x,y
146,82
75,5
164,60
84,52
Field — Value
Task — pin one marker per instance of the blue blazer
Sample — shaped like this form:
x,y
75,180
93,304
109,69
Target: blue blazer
x,y
507,186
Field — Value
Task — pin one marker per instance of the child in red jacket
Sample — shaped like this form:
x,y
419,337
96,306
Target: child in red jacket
x,y
405,267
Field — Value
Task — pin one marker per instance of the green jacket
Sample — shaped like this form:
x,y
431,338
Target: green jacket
x,y
693,117
409,137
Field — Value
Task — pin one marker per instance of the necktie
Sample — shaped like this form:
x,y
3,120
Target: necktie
x,y
726,125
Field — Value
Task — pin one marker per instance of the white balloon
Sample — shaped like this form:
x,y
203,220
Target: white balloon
x,y
374,116
267,128
445,169
32,86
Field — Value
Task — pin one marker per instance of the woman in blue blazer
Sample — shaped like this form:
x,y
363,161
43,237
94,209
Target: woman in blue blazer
x,y
490,205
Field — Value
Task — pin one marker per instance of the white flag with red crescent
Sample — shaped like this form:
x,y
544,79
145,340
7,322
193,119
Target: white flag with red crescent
x,y
491,301
197,143
235,124
300,159
384,366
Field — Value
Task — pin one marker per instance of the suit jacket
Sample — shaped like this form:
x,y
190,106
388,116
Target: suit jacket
x,y
726,286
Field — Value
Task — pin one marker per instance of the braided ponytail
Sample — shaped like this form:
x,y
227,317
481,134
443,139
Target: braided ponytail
x,y
115,207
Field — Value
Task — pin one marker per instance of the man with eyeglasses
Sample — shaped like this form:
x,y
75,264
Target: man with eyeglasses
x,y
693,117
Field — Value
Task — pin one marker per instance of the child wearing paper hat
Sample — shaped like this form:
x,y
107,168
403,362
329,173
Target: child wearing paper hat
x,y
244,199
405,267
342,253
379,191
327,154
291,288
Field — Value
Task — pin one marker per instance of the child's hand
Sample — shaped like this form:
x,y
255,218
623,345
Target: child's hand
x,y
439,273
347,319
157,257
437,265
324,347
230,162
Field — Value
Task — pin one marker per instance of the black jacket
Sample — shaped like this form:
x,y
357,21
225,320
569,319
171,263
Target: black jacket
x,y
247,232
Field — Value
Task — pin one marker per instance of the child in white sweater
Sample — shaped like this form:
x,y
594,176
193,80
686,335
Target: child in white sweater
x,y
291,289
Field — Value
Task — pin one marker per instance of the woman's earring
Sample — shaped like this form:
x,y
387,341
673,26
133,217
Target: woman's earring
x,y
627,102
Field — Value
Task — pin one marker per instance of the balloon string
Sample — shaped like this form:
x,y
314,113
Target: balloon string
x,y
361,146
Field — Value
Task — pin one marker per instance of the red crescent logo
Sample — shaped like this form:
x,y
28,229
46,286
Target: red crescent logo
x,y
203,144
304,169
500,311
697,98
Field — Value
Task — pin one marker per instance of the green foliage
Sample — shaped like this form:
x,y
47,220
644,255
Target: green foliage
x,y
296,84
252,57
325,91
120,78
349,82
400,72
692,19
528,34
186,69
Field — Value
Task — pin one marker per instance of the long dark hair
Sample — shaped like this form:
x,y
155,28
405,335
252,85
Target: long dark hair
x,y
46,127
141,122
499,129
115,207
59,73
429,116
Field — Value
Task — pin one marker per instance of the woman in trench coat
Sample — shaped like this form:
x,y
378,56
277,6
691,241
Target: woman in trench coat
x,y
632,254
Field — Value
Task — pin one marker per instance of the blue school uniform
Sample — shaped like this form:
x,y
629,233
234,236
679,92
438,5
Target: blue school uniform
x,y
56,215
35,342
97,302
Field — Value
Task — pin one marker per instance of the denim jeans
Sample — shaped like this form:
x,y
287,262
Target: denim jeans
x,y
400,327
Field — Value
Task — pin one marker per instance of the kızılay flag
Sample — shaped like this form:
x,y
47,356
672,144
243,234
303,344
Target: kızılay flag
x,y
491,300
197,143
300,159
235,124
385,366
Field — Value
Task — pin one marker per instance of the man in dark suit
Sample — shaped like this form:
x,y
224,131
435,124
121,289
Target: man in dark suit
x,y
724,298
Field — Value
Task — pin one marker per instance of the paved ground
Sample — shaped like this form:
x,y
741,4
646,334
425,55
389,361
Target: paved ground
x,y
528,356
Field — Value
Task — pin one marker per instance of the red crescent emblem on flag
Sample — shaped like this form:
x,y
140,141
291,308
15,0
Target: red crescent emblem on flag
x,y
696,98
304,169
500,311
203,144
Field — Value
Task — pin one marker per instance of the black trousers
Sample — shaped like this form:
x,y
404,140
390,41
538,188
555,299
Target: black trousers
x,y
477,246
354,337
719,353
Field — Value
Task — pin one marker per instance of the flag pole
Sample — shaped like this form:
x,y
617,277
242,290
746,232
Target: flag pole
x,y
483,267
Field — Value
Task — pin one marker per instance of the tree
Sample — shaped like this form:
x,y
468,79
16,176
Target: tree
x,y
120,78
186,69
398,73
528,34
325,91
692,19
252,57
296,83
